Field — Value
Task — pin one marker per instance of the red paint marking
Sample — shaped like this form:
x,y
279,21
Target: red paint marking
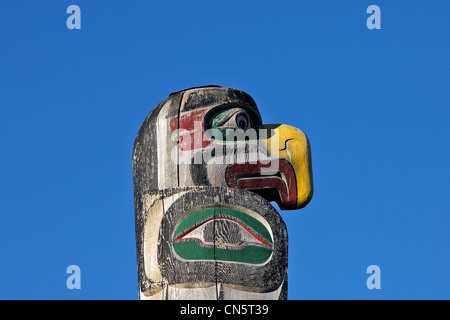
x,y
191,130
259,238
227,246
248,176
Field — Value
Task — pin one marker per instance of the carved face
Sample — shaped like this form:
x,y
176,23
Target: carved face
x,y
205,170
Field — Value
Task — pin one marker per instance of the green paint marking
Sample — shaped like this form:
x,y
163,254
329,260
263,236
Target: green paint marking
x,y
193,219
191,249
223,117
248,220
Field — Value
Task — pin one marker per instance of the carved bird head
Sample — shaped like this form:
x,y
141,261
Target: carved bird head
x,y
214,136
205,170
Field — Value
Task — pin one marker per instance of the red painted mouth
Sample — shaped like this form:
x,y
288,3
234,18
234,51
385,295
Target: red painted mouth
x,y
260,179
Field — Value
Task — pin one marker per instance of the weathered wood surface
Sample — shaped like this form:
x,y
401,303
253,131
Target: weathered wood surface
x,y
212,274
205,228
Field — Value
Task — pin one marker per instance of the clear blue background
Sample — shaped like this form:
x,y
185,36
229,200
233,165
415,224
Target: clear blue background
x,y
374,103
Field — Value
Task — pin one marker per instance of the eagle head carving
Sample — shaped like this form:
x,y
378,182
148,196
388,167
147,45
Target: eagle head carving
x,y
205,170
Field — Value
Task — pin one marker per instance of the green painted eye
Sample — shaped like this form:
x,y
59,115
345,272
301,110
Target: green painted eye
x,y
223,234
223,117
234,118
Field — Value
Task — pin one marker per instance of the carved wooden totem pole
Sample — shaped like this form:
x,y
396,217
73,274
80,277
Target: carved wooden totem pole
x,y
205,169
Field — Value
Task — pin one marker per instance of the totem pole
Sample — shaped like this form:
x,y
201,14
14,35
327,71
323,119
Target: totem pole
x,y
205,170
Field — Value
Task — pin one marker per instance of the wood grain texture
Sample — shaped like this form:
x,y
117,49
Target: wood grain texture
x,y
228,278
205,228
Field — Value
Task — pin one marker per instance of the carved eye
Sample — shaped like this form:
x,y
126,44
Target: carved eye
x,y
232,118
242,121
222,232
226,121
229,235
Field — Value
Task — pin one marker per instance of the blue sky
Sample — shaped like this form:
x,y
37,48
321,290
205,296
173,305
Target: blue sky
x,y
374,104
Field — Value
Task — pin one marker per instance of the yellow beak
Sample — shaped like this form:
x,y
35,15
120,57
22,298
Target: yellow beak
x,y
292,144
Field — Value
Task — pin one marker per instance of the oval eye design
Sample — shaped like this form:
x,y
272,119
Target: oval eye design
x,y
233,118
238,235
242,121
230,235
